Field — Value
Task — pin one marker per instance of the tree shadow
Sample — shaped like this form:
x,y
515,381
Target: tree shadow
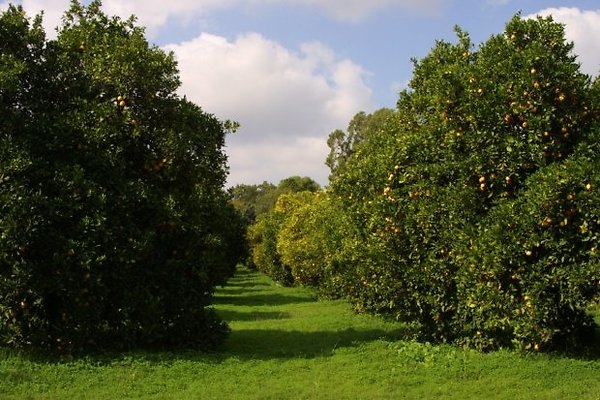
x,y
246,284
261,300
587,348
229,315
258,344
250,344
237,291
262,345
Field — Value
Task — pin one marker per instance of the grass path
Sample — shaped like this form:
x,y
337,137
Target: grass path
x,y
286,345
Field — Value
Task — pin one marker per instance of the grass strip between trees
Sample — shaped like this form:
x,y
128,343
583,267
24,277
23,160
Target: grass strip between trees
x,y
285,344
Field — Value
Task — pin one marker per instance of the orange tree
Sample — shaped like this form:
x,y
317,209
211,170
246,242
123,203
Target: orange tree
x,y
477,210
262,242
311,238
342,144
114,225
263,234
370,277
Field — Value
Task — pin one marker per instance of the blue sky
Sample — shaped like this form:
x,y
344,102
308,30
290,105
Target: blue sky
x,y
291,71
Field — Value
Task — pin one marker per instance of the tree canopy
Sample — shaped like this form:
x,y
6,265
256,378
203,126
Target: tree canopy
x,y
115,226
342,144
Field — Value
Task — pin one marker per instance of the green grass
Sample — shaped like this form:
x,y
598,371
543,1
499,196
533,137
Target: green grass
x,y
287,345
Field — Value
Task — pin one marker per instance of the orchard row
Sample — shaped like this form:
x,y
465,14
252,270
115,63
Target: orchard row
x,y
472,209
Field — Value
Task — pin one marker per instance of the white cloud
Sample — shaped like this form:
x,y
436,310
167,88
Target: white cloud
x,y
53,11
583,29
151,13
283,100
355,10
155,14
253,163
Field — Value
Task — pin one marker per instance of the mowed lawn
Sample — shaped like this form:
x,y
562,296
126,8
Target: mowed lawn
x,y
285,344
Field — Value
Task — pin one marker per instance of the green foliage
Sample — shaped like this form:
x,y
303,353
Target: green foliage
x,y
535,265
253,200
262,240
342,144
311,239
369,276
291,243
468,202
295,184
262,233
114,225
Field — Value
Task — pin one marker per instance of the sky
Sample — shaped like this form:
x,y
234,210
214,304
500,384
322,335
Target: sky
x,y
292,71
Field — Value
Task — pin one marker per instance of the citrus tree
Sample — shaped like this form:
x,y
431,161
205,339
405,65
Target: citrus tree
x,y
114,225
370,277
474,196
342,144
313,241
264,232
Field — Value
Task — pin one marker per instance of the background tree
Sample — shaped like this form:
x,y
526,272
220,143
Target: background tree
x,y
295,184
263,233
115,227
312,240
342,144
253,200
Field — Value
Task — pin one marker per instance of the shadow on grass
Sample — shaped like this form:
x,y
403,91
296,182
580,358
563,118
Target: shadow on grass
x,y
588,348
261,300
257,344
245,284
250,344
268,344
245,278
228,315
237,291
